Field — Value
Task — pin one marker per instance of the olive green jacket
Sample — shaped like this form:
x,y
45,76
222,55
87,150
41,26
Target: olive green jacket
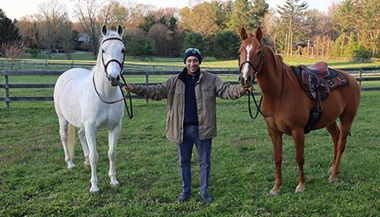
x,y
206,89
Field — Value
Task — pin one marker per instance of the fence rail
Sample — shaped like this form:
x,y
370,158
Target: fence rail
x,y
361,74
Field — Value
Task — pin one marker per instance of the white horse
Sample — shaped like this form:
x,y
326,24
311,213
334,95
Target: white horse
x,y
90,100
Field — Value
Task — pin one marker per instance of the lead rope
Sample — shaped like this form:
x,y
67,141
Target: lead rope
x,y
261,99
129,112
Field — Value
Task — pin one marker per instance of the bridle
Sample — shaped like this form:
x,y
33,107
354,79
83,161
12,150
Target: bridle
x,y
258,105
121,64
255,69
121,85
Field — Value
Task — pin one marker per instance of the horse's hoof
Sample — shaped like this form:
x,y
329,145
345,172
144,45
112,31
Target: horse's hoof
x,y
70,166
86,165
300,188
333,180
114,185
274,193
94,190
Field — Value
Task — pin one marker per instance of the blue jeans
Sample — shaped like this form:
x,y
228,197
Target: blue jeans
x,y
185,149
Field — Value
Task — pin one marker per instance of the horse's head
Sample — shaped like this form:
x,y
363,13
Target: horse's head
x,y
251,57
112,51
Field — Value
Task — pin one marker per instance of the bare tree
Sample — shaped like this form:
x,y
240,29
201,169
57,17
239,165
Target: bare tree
x,y
54,15
32,31
272,26
88,14
12,50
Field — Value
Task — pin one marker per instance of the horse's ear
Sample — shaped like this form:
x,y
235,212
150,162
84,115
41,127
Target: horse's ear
x,y
259,34
243,34
120,30
104,30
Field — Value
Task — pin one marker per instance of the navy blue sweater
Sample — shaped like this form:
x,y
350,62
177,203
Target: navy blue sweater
x,y
191,115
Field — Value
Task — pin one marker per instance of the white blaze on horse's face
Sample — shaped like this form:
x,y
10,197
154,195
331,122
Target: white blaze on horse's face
x,y
245,69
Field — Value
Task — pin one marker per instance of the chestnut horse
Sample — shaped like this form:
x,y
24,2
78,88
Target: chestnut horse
x,y
286,107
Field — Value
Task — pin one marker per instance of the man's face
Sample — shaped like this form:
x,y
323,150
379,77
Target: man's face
x,y
192,64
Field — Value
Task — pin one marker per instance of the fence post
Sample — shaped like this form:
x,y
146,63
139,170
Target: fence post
x,y
146,83
6,89
360,77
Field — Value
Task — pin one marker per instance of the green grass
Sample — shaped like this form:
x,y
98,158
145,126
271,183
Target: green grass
x,y
34,180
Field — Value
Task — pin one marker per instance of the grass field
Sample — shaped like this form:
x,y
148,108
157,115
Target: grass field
x,y
34,180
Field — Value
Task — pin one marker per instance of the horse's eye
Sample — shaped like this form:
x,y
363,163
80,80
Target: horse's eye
x,y
123,51
103,51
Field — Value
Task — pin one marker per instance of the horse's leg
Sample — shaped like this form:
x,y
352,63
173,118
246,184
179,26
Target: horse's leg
x,y
276,138
90,132
334,131
64,133
83,141
112,139
345,127
299,142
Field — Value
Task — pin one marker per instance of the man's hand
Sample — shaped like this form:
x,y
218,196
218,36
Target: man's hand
x,y
250,88
128,87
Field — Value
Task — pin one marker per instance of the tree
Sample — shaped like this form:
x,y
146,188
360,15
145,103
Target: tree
x,y
226,45
55,21
148,22
88,14
194,39
362,17
291,14
240,16
272,26
114,14
161,35
258,12
9,33
202,18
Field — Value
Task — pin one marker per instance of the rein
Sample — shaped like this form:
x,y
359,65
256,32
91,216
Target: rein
x,y
121,64
130,113
258,110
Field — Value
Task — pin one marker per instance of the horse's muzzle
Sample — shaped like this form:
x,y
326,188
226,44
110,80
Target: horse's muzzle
x,y
246,81
114,80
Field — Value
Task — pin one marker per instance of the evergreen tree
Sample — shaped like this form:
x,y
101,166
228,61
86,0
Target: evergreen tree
x,y
226,45
193,39
148,22
240,16
8,31
291,14
258,11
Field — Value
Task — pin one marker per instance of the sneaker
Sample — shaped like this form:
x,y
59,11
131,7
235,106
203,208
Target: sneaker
x,y
183,197
206,198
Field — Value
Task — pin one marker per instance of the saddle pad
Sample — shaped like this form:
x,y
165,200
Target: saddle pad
x,y
311,82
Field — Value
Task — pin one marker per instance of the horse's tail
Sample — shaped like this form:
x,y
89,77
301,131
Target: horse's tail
x,y
71,140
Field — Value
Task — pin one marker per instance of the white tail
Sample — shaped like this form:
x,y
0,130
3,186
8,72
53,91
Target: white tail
x,y
71,140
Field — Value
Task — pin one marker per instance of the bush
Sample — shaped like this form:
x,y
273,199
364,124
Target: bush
x,y
363,53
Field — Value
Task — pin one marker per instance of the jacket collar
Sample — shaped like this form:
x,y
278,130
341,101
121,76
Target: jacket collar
x,y
184,72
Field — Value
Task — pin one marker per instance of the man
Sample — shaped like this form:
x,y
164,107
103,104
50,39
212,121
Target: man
x,y
191,115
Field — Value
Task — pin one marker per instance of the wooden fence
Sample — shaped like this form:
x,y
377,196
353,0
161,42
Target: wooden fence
x,y
361,74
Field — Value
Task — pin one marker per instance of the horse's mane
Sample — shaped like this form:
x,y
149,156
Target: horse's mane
x,y
277,59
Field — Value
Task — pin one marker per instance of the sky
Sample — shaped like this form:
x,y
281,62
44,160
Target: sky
x,y
15,9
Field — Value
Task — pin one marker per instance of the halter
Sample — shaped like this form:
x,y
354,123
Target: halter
x,y
258,105
255,69
121,64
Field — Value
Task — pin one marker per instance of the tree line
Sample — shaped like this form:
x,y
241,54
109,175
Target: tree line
x,y
350,28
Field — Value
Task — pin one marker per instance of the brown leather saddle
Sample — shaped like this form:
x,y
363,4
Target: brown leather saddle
x,y
318,81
